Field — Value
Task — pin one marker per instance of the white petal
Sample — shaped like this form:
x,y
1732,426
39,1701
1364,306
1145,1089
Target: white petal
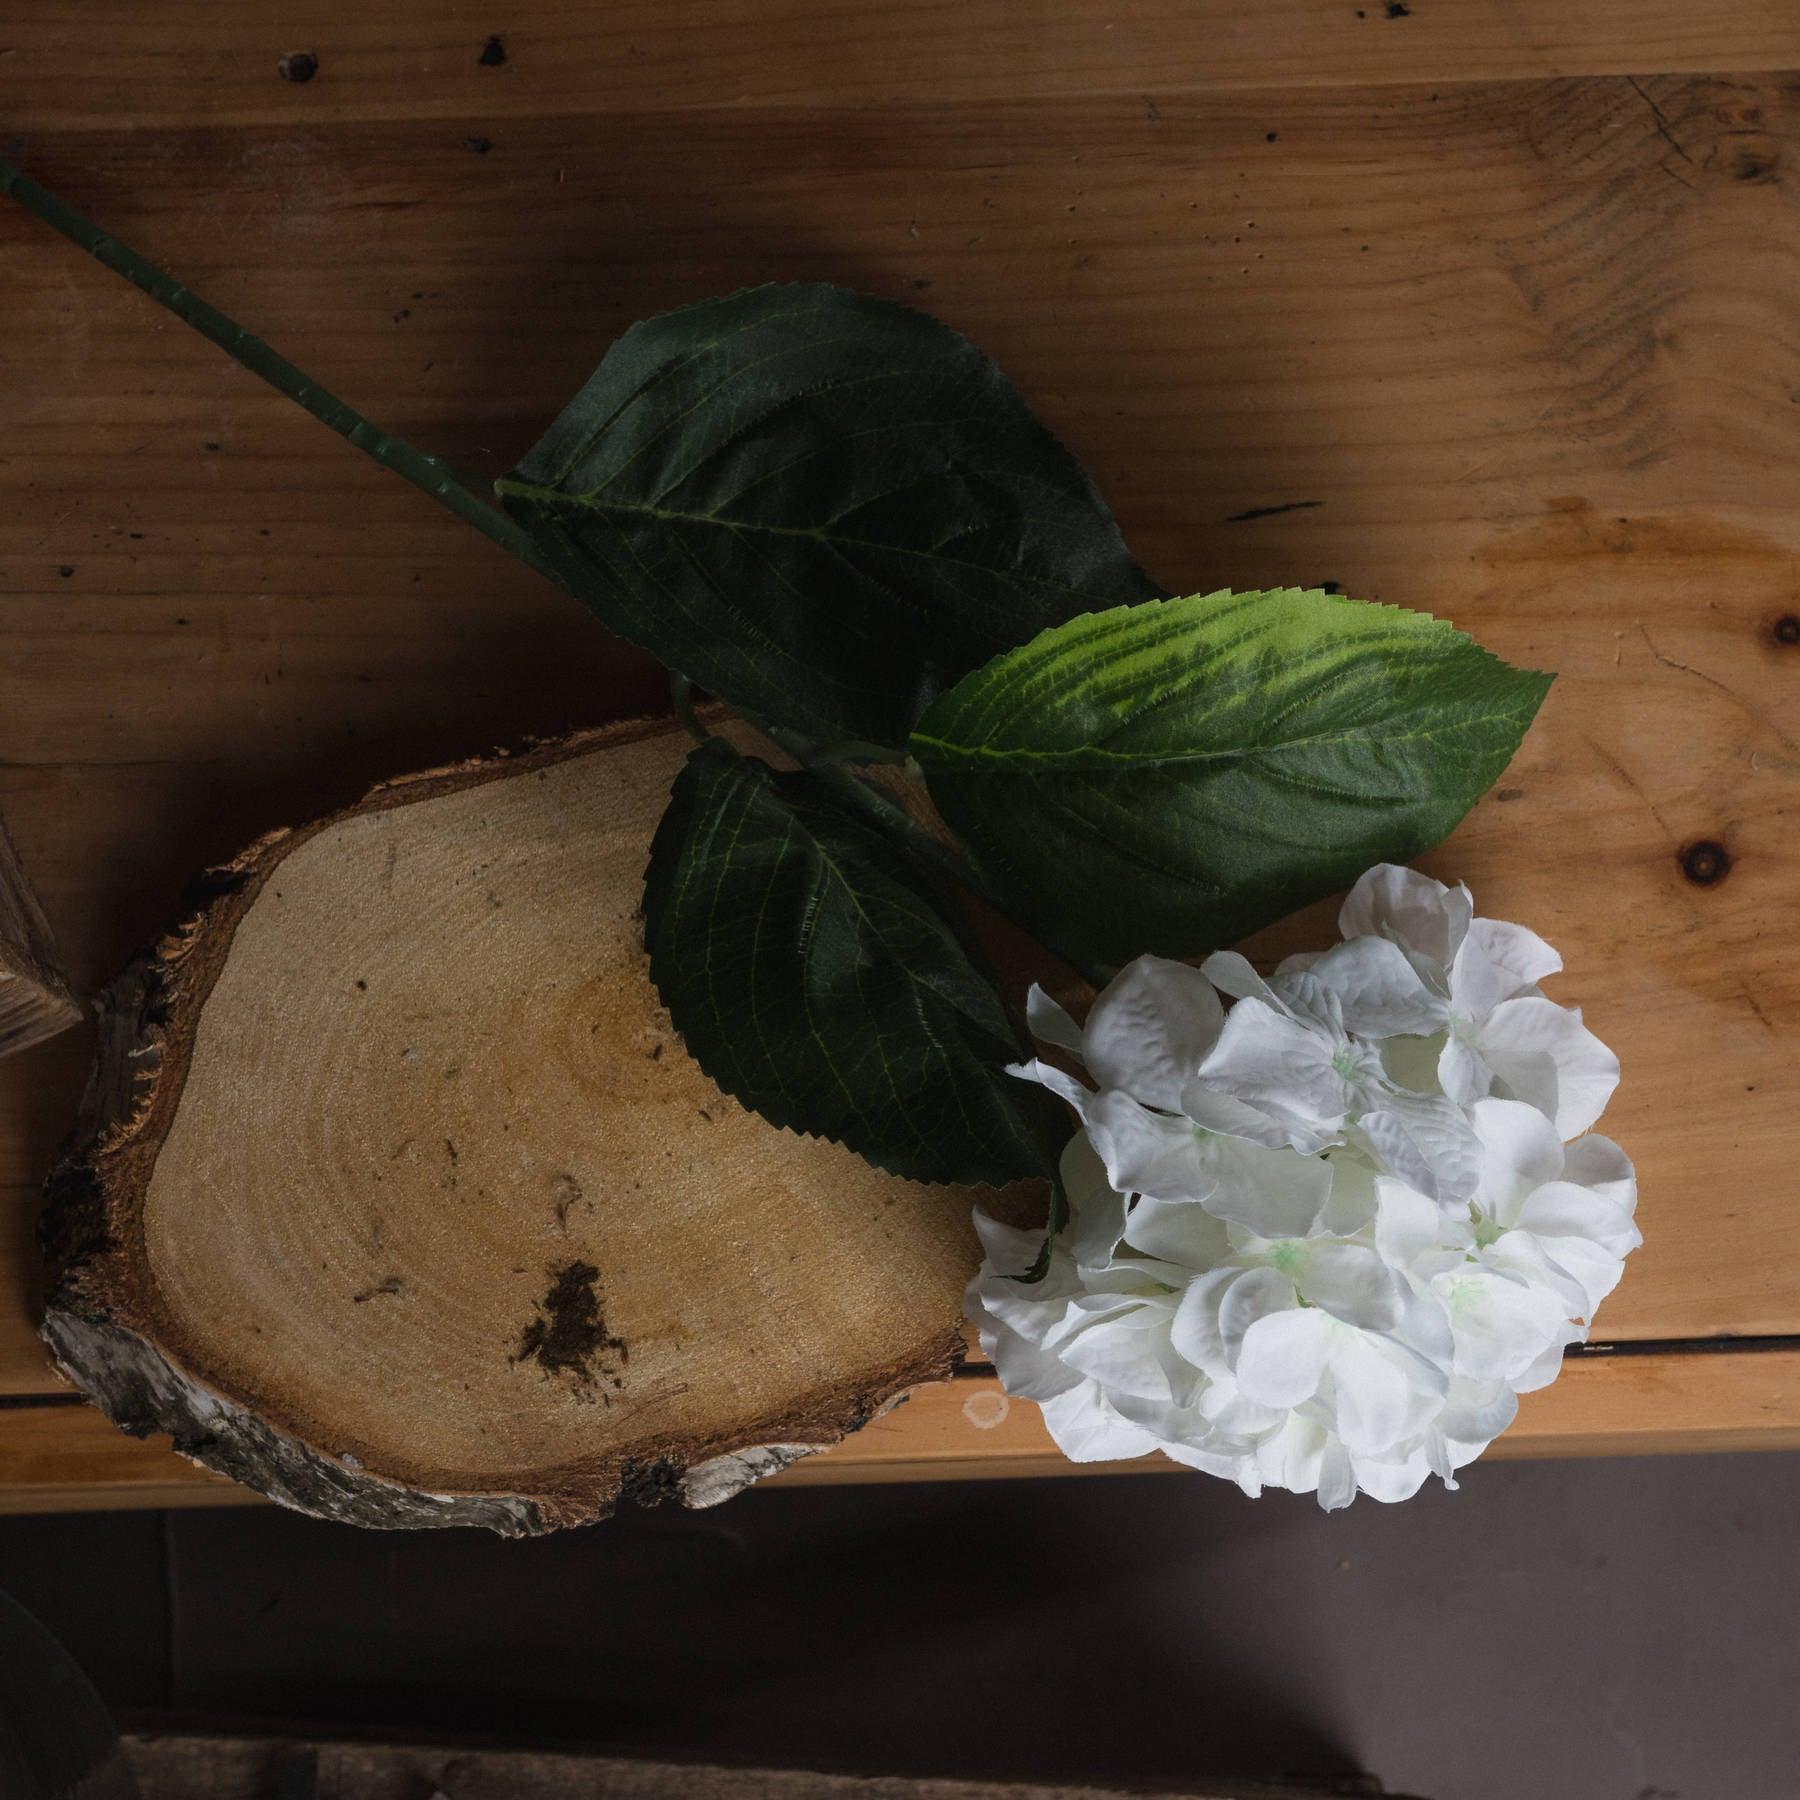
x,y
1276,1062
1519,1152
1147,1152
1275,1193
1519,1254
1378,990
1594,1270
1347,1281
1477,1412
1337,1477
1096,1210
1195,1332
1461,1073
1426,1140
1119,1352
1209,1104
1150,1029
1178,1232
1252,1296
1514,959
1501,1325
1392,1479
1374,1402
1239,1468
1049,1022
1543,1054
1232,974
1560,1210
1406,1223
1025,1371
1064,1086
1009,1251
1598,1163
1290,1457
1412,909
1545,1369
1281,1360
1086,1429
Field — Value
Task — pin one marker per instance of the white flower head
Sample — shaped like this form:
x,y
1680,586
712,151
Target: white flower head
x,y
1321,1239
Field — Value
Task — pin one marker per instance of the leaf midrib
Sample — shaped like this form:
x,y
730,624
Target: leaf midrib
x,y
555,499
958,756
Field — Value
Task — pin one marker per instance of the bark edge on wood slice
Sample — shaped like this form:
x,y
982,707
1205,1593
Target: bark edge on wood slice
x,y
395,1197
35,1002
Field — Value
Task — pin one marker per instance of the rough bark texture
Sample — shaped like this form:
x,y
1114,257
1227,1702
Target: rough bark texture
x,y
395,1197
35,1002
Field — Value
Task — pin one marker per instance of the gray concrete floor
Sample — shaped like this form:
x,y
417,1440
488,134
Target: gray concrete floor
x,y
1557,1631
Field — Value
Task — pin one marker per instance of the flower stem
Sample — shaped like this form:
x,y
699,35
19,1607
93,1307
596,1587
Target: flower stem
x,y
681,697
427,473
876,801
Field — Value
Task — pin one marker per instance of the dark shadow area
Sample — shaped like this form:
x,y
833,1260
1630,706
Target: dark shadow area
x,y
1574,1631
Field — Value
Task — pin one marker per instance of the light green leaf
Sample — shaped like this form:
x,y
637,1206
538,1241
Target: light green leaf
x,y
812,976
1171,776
822,507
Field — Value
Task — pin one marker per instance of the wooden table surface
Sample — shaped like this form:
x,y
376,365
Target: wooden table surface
x,y
1483,307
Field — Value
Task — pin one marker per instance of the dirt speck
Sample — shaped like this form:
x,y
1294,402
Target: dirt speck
x,y
569,1338
298,65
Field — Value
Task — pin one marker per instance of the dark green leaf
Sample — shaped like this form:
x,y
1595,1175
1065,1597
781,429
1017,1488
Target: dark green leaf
x,y
1169,777
823,508
812,975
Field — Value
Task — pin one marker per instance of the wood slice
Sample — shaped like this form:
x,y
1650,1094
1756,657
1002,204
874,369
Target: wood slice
x,y
35,1002
397,1198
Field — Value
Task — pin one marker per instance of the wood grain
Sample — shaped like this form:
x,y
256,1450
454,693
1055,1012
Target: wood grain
x,y
1519,351
144,63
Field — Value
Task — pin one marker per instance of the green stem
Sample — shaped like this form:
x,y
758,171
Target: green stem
x,y
875,800
870,797
427,473
681,696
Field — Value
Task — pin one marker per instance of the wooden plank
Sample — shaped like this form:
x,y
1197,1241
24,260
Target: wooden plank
x,y
150,63
57,1458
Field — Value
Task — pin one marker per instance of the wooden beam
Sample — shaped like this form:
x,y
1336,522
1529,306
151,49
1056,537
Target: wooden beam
x,y
67,1458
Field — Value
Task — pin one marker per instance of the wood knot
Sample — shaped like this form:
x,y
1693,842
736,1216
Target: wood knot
x,y
1787,629
298,65
1706,863
1754,161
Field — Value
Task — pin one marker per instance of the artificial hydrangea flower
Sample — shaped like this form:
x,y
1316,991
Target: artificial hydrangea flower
x,y
1324,1239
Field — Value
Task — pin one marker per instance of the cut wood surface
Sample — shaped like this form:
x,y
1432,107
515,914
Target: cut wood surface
x,y
1514,344
398,1199
35,1002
